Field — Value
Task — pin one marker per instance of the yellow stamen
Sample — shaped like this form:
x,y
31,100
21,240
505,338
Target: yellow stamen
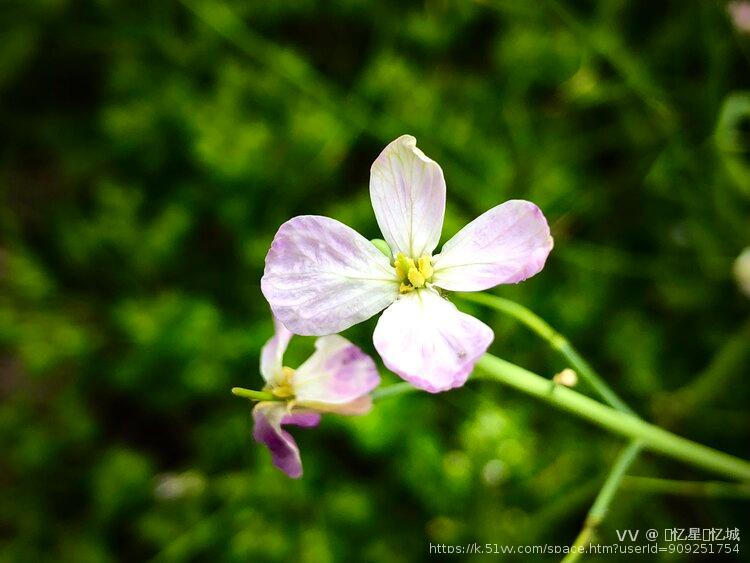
x,y
403,265
412,276
425,268
415,277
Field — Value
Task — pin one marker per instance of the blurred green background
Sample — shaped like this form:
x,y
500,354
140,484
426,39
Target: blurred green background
x,y
148,153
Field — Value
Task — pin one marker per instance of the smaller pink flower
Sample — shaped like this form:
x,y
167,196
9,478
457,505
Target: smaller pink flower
x,y
337,378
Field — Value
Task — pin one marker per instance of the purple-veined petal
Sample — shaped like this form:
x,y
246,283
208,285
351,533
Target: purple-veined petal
x,y
507,244
272,354
268,419
334,376
407,190
362,405
426,340
322,277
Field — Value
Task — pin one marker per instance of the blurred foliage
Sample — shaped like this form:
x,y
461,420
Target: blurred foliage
x,y
149,152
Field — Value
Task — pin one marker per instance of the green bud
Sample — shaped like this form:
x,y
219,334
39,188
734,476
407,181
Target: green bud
x,y
382,246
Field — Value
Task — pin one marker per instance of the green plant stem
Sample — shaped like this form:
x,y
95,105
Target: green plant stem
x,y
589,375
654,438
393,390
600,508
254,395
709,489
556,341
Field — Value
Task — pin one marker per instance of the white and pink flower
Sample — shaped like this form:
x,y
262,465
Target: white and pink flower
x,y
322,277
337,378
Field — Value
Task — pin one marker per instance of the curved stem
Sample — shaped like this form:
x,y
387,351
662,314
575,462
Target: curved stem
x,y
654,438
393,390
699,388
556,341
588,374
599,509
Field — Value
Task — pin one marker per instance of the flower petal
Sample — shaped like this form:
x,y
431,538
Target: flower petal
x,y
335,375
322,277
426,340
269,417
507,244
407,190
363,405
272,354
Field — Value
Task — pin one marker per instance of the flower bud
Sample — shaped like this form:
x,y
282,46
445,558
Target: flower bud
x,y
566,377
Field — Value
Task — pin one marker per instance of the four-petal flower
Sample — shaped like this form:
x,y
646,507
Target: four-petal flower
x,y
337,378
322,277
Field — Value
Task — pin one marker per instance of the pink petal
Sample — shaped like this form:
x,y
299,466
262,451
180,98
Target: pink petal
x,y
269,417
427,341
363,405
507,244
407,190
337,374
272,354
322,277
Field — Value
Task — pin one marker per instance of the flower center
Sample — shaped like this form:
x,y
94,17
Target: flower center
x,y
412,275
283,387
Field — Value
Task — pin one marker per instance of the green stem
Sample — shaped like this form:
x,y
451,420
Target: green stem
x,y
556,341
711,489
654,438
254,395
588,374
603,500
599,509
393,390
